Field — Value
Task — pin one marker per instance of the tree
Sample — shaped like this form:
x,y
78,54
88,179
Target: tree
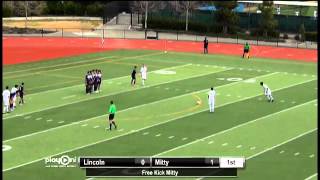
x,y
187,6
267,23
144,7
224,15
302,32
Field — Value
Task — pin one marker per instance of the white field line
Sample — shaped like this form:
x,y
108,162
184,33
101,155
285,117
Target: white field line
x,y
44,67
130,108
52,70
275,146
122,58
234,127
67,97
260,59
133,57
241,68
312,176
80,147
147,86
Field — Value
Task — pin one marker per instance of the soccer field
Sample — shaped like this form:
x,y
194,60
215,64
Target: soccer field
x,y
278,140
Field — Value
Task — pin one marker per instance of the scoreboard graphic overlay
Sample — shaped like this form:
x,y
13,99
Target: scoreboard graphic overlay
x,y
161,166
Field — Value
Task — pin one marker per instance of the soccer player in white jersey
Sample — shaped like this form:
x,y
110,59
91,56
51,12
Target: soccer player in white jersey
x,y
14,95
143,72
211,99
267,92
6,98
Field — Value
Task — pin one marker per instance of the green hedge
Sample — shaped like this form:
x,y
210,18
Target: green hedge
x,y
311,36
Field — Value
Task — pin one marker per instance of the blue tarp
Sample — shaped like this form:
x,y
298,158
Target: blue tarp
x,y
239,8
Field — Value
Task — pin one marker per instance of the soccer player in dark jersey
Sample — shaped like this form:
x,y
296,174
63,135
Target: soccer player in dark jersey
x,y
205,45
87,82
95,81
21,93
112,112
133,76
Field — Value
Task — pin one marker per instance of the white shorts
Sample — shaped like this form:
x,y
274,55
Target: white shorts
x,y
6,102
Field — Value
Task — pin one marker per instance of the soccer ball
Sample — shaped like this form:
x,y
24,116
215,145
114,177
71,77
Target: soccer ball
x,y
198,102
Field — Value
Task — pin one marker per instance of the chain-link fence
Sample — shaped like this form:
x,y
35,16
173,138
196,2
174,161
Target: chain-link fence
x,y
160,34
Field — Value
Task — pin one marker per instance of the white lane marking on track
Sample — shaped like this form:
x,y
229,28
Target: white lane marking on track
x,y
239,96
158,135
293,102
210,142
281,152
49,120
228,95
253,148
239,146
282,101
121,130
170,137
166,88
27,117
96,127
185,138
60,122
83,125
39,118
145,133
296,154
224,144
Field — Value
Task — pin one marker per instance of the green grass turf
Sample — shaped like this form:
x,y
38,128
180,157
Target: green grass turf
x,y
165,107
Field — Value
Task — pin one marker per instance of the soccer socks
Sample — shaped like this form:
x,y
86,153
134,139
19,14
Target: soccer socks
x,y
143,82
115,126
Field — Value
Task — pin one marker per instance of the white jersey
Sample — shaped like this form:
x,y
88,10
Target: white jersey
x,y
143,72
14,91
212,94
266,89
6,97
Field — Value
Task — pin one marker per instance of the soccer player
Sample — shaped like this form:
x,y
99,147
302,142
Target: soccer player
x,y
133,76
6,99
211,99
21,93
99,79
14,95
95,81
246,50
112,112
205,45
143,72
87,82
267,92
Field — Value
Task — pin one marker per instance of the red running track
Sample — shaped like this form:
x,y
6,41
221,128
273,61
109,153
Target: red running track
x,y
28,49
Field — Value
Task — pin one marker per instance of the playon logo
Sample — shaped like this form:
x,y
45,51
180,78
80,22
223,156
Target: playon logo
x,y
63,161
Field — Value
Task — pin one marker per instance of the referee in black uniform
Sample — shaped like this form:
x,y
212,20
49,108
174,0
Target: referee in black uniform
x,y
133,76
205,45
